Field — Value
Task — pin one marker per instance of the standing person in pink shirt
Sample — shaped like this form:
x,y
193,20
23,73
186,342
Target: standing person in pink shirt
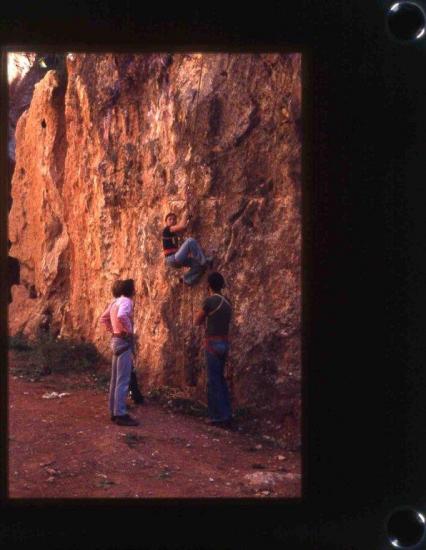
x,y
118,318
134,390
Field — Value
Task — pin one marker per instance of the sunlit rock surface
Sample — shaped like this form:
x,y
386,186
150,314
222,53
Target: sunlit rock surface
x,y
22,73
106,150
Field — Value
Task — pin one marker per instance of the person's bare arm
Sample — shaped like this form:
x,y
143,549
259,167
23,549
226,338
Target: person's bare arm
x,y
179,227
105,318
199,318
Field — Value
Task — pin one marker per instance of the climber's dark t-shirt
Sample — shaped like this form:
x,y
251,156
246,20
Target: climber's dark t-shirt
x,y
217,322
170,241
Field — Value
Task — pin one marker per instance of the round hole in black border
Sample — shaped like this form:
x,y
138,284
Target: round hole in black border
x,y
405,528
406,21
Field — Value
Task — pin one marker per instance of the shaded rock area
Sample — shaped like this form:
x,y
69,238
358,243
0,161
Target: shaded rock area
x,y
104,152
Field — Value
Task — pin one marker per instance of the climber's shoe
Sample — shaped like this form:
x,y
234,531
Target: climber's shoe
x,y
194,278
209,262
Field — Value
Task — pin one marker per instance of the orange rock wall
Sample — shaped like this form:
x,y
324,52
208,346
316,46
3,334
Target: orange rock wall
x,y
105,152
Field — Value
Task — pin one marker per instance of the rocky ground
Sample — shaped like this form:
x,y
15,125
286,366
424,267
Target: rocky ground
x,y
67,447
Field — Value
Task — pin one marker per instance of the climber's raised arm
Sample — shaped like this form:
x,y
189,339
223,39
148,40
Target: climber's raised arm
x,y
177,227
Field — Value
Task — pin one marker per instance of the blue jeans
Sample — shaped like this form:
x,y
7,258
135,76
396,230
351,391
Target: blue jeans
x,y
190,254
120,375
219,405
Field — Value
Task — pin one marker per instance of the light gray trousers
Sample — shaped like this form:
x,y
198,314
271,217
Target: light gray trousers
x,y
120,375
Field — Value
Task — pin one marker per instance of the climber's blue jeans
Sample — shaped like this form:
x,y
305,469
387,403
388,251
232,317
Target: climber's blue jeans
x,y
190,254
122,361
219,405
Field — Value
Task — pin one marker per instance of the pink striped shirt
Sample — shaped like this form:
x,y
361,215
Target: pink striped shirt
x,y
118,316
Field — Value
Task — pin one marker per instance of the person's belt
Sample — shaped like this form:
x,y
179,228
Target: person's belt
x,y
209,339
125,335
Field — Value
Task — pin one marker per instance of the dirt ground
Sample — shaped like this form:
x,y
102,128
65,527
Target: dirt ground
x,y
68,447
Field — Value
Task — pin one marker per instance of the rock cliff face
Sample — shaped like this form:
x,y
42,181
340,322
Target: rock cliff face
x,y
23,73
106,150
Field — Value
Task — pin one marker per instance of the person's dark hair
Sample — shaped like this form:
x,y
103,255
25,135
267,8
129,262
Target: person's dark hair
x,y
216,281
128,288
168,216
116,288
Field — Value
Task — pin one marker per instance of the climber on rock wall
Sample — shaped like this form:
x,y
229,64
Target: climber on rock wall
x,y
216,313
189,254
134,390
118,319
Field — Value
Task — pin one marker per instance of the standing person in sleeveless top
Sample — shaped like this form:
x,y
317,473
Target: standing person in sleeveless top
x,y
118,318
189,254
216,313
